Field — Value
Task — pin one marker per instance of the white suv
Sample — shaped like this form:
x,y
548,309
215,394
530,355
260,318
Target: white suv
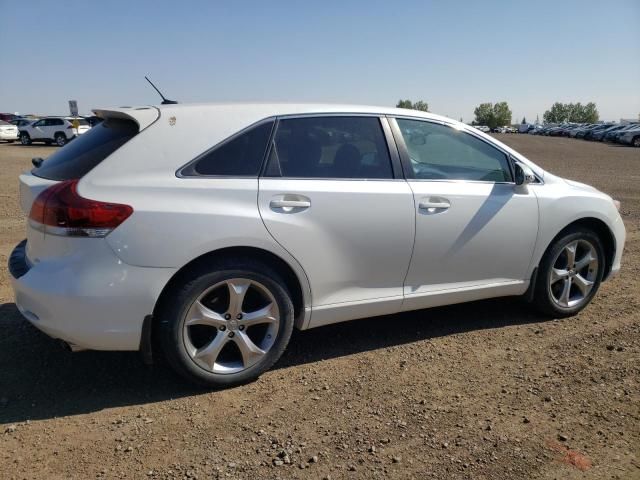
x,y
53,130
207,232
8,132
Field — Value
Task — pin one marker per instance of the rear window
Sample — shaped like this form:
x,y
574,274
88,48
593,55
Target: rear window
x,y
82,154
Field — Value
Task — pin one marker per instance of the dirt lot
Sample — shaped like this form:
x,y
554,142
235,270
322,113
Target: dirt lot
x,y
487,390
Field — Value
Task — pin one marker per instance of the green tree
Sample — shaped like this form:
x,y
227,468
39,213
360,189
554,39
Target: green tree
x,y
556,114
571,112
493,115
590,113
419,105
524,120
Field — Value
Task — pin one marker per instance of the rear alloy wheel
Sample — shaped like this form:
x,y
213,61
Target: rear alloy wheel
x,y
60,139
570,273
25,139
636,141
227,327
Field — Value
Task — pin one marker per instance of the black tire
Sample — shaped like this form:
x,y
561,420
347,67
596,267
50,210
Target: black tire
x,y
25,139
636,141
60,139
172,311
543,298
10,141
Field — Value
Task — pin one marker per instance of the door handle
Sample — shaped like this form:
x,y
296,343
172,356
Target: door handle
x,y
433,205
289,203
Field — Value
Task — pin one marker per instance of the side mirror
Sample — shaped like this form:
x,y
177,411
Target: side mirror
x,y
524,175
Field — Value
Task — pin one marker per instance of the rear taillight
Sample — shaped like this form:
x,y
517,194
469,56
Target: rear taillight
x,y
59,210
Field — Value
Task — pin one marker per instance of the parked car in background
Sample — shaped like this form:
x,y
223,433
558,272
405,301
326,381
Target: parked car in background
x,y
630,136
20,122
599,135
56,130
525,127
483,128
600,128
7,117
217,237
614,136
583,131
8,132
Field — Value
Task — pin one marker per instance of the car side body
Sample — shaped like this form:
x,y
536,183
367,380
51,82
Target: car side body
x,y
346,248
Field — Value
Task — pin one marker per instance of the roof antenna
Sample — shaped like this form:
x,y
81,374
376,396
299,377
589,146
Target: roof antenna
x,y
164,100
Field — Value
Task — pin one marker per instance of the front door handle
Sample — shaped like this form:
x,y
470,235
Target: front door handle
x,y
289,203
434,205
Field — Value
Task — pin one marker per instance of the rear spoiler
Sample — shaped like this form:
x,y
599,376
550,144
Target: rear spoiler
x,y
143,116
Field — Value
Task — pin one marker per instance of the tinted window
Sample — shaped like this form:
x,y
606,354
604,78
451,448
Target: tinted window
x,y
330,147
441,152
88,150
242,155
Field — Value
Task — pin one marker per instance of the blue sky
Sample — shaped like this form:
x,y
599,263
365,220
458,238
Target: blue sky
x,y
454,55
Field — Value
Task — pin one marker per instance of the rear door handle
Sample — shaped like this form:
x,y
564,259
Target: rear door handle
x,y
434,205
290,203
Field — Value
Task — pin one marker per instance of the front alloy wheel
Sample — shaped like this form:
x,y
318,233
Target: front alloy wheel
x,y
574,273
569,273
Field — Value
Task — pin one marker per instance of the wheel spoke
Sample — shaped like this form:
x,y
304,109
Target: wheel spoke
x,y
566,291
570,250
201,315
588,260
209,353
250,352
264,315
583,284
558,274
237,290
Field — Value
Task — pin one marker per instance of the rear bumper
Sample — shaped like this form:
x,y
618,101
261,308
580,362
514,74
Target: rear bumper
x,y
9,136
94,301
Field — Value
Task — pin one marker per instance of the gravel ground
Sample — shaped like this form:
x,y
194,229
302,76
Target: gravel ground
x,y
487,390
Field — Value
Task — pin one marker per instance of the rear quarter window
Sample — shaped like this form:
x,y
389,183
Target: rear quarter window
x,y
82,154
239,156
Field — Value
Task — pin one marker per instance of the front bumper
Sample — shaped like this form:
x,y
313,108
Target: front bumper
x,y
89,298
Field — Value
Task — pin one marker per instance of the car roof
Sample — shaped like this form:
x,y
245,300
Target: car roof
x,y
276,109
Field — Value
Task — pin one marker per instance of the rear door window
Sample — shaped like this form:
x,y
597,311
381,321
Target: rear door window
x,y
330,147
85,152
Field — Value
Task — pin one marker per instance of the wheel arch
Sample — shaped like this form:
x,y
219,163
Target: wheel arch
x,y
604,233
296,286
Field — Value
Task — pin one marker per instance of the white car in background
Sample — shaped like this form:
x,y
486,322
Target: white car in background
x,y
483,128
58,130
207,232
8,132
